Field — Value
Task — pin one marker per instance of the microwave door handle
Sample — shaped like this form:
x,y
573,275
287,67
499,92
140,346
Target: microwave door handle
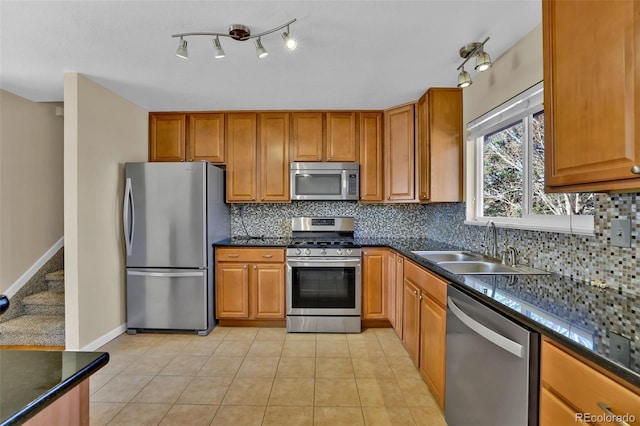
x,y
345,184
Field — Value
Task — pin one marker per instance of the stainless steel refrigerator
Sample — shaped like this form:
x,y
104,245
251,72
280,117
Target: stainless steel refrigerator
x,y
172,214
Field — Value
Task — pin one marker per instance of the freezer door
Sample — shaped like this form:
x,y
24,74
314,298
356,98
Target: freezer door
x,y
167,299
164,215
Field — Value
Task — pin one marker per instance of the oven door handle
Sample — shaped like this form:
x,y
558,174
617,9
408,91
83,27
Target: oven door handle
x,y
309,262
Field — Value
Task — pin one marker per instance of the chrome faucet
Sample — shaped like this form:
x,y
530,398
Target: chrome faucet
x,y
494,251
510,256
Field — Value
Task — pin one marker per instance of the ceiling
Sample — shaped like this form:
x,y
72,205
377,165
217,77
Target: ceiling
x,y
351,54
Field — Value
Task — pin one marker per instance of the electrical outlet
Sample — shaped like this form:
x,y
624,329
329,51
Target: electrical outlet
x,y
619,349
621,232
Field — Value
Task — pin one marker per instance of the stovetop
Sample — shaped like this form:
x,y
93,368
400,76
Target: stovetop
x,y
307,242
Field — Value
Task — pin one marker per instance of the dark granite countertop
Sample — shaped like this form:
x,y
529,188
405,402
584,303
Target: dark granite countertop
x,y
575,314
254,241
32,380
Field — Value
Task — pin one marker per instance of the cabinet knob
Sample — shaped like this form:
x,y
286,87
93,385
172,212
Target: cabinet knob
x,y
234,255
253,199
255,267
389,197
319,158
328,158
267,256
190,159
415,291
262,199
635,170
244,267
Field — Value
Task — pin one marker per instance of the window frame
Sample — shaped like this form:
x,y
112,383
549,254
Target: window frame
x,y
521,107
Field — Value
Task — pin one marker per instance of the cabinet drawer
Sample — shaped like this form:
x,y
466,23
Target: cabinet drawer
x,y
249,255
583,386
429,283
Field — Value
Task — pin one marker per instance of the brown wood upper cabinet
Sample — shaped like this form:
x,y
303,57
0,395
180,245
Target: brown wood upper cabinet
x,y
592,106
186,137
320,136
371,157
399,154
242,155
206,137
439,145
258,161
167,137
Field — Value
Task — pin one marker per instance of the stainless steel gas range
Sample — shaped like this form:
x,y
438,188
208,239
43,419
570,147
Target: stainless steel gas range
x,y
324,287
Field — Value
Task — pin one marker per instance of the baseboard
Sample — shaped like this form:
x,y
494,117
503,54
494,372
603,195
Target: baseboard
x,y
104,339
24,278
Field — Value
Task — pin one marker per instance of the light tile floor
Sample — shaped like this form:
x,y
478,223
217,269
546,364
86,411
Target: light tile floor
x,y
260,376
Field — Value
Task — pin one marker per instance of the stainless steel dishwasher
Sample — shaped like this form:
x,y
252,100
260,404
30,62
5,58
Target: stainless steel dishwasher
x,y
492,366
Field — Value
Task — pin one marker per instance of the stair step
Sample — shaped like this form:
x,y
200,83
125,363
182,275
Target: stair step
x,y
44,303
40,330
55,280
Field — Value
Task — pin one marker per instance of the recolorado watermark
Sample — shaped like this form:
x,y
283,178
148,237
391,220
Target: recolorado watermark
x,y
605,418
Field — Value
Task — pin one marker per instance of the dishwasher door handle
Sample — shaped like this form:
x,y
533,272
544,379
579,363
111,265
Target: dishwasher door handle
x,y
485,332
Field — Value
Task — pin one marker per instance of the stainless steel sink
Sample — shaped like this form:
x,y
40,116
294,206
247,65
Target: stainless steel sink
x,y
467,263
488,268
448,256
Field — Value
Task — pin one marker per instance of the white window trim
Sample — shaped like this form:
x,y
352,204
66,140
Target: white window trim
x,y
520,106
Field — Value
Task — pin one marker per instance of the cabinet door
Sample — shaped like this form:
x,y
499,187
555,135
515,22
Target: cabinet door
x,y
341,143
206,137
232,290
399,141
375,286
411,320
433,336
371,166
240,141
307,137
555,412
167,137
274,156
268,290
592,101
439,146
399,290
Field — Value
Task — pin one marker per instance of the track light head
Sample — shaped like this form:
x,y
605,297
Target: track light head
x,y
182,49
260,50
218,51
289,41
464,79
483,61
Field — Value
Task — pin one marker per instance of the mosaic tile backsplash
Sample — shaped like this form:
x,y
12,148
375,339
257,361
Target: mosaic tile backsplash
x,y
585,258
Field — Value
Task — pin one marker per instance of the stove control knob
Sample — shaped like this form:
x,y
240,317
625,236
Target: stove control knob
x,y
339,252
349,251
307,252
323,252
298,252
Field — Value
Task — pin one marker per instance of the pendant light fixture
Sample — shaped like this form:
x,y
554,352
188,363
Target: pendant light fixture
x,y
483,61
237,32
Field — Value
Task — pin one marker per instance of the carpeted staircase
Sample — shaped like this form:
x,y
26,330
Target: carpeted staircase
x,y
36,315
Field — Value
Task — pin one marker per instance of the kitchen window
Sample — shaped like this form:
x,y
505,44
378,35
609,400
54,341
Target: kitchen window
x,y
508,144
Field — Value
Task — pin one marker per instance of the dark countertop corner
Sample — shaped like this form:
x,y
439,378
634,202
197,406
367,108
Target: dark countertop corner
x,y
32,380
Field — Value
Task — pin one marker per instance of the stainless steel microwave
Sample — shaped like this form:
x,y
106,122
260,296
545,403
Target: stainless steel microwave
x,y
325,181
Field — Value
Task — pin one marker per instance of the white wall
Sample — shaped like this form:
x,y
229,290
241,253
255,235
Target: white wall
x,y
102,132
31,184
516,70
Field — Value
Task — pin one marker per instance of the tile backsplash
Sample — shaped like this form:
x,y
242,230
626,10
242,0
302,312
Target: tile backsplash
x,y
577,256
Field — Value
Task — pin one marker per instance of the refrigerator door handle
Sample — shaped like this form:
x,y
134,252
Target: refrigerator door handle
x,y
128,221
165,274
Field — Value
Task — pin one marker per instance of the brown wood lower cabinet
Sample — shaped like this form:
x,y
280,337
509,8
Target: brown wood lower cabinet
x,y
250,283
574,391
411,318
375,284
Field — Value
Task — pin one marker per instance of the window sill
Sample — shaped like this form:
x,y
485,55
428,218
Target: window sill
x,y
524,226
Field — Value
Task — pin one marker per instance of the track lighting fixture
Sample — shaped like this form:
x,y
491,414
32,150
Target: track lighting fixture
x,y
483,61
260,50
237,32
182,49
289,41
218,51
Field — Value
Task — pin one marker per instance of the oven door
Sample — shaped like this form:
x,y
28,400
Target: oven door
x,y
324,286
